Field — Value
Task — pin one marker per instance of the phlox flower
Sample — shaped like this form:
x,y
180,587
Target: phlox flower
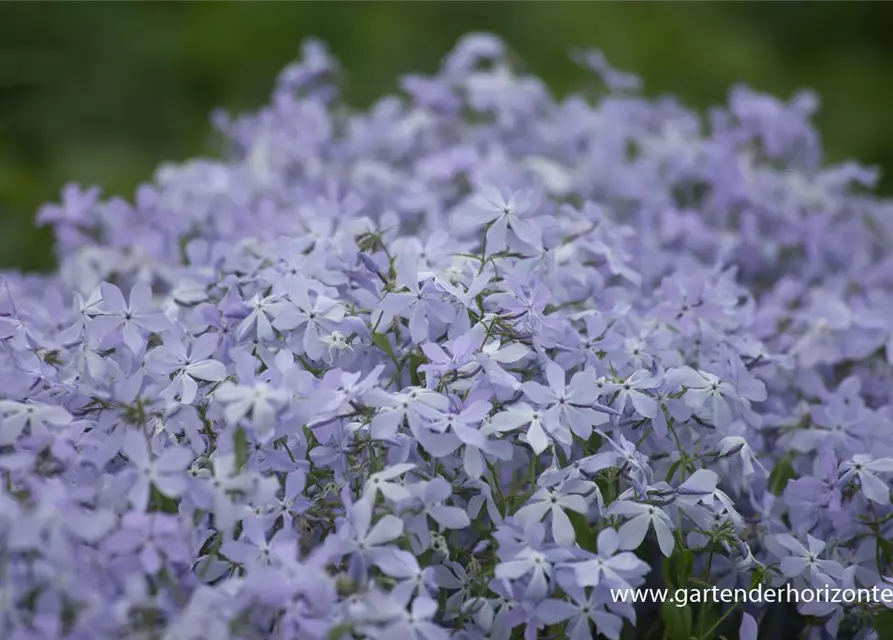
x,y
133,318
642,518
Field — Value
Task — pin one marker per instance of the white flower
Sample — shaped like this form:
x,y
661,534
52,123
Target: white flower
x,y
381,482
334,344
521,414
644,516
803,559
610,566
566,497
503,213
866,468
736,445
260,400
15,417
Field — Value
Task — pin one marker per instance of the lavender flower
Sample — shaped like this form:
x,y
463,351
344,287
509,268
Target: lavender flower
x,y
437,369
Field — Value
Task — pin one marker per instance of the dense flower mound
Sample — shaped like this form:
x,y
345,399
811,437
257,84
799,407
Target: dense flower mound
x,y
456,367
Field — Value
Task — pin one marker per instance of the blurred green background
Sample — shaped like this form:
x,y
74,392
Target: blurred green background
x,y
101,93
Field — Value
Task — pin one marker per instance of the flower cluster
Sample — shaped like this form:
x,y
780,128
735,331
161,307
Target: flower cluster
x,y
455,367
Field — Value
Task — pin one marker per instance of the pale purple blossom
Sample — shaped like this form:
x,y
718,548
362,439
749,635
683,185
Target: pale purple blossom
x,y
643,517
134,318
442,367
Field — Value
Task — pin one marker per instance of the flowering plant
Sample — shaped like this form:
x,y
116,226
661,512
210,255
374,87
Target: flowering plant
x,y
455,367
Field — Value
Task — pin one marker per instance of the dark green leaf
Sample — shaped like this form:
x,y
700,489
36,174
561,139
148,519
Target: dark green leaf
x,y
240,446
673,468
677,621
414,361
583,531
338,632
678,567
162,503
382,342
781,475
883,624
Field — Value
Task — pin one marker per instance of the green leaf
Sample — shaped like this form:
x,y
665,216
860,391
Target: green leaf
x,y
781,475
607,484
562,457
885,545
756,578
678,568
709,620
240,446
381,341
677,621
595,442
338,632
883,624
162,503
583,531
673,468
414,361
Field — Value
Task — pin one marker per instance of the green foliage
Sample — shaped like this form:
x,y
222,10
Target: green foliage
x,y
240,445
677,621
883,624
678,568
415,377
782,473
382,342
583,531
